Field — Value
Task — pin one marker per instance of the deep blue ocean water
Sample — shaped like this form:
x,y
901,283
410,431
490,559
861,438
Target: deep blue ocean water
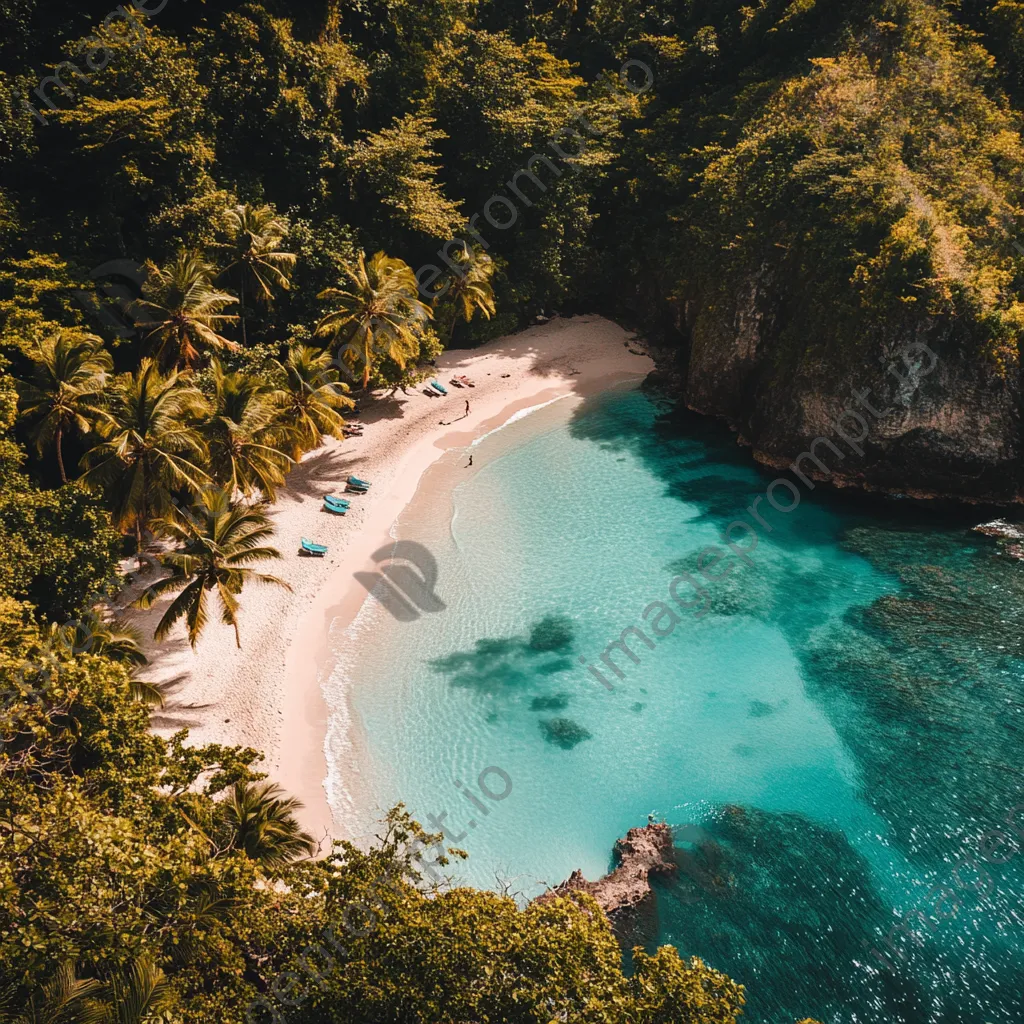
x,y
830,725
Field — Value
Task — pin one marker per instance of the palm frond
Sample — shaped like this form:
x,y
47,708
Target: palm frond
x,y
141,996
380,314
60,1000
147,693
217,539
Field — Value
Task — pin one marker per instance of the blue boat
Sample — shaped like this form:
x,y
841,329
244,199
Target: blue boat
x,y
314,549
443,390
354,481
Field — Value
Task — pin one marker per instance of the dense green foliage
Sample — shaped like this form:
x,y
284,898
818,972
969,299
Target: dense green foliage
x,y
861,162
117,860
315,198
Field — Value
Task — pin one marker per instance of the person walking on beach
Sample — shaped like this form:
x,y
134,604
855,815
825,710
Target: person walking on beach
x,y
467,408
470,461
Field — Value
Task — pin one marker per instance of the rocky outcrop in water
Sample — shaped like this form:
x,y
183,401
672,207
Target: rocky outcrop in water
x,y
642,853
1010,536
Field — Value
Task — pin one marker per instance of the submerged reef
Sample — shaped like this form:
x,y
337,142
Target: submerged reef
x,y
747,895
556,702
925,685
497,665
552,633
563,732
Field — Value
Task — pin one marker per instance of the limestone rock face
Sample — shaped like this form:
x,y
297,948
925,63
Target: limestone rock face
x,y
931,421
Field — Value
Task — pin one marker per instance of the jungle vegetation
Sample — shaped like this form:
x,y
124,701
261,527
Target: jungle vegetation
x,y
219,223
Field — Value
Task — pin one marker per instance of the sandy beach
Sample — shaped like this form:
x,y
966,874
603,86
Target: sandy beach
x,y
267,695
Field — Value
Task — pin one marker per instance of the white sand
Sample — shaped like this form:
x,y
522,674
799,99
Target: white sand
x,y
267,695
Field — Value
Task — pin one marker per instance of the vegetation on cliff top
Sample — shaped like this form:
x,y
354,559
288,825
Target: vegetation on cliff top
x,y
863,165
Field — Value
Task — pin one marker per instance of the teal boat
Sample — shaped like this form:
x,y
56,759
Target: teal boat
x,y
338,510
314,549
333,499
354,481
443,390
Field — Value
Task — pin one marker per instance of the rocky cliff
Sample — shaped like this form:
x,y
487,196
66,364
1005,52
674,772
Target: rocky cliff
x,y
850,225
907,415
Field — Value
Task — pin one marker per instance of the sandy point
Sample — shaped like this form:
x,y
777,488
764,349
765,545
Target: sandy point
x,y
267,694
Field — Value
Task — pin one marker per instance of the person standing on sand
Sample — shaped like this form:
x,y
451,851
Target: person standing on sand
x,y
470,461
467,407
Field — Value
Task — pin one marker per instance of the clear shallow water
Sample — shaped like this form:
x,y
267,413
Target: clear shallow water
x,y
840,726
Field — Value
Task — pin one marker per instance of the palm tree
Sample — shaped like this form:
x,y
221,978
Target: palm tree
x,y
180,310
218,541
258,819
244,434
378,313
471,288
61,1000
70,374
94,634
256,234
312,398
142,996
151,447
119,641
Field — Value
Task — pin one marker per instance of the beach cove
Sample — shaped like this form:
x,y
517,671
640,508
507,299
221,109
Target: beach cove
x,y
774,726
784,735
267,695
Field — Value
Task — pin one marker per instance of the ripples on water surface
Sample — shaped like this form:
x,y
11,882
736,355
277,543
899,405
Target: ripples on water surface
x,y
830,740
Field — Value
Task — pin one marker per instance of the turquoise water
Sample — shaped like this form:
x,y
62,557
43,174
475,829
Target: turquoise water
x,y
829,738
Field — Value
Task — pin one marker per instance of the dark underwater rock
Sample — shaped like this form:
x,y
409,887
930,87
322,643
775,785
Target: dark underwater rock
x,y
552,633
748,896
556,702
564,732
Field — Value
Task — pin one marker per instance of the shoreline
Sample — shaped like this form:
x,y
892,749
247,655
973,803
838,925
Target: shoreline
x,y
310,655
344,629
269,694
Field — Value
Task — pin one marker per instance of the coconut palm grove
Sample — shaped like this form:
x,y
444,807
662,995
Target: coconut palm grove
x,y
226,227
